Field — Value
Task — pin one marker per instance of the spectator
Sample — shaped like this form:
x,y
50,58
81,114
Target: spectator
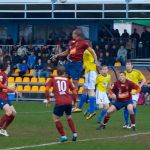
x,y
31,60
101,59
38,68
24,56
97,51
122,55
145,36
47,69
23,68
39,56
22,41
46,57
114,51
117,34
135,36
106,48
109,61
102,43
125,36
9,40
21,49
1,58
7,57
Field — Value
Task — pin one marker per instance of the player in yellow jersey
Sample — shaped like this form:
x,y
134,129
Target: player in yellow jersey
x,y
103,83
138,78
89,84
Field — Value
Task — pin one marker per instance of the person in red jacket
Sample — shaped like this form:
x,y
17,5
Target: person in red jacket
x,y
61,86
5,103
121,91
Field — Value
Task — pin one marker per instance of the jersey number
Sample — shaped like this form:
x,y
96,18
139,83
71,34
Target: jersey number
x,y
62,87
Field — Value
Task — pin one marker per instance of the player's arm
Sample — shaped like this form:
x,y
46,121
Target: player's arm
x,y
94,55
112,91
136,87
7,89
65,53
143,80
48,85
74,91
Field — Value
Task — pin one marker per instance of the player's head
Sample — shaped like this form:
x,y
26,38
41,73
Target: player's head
x,y
104,70
129,66
77,33
5,67
61,71
122,76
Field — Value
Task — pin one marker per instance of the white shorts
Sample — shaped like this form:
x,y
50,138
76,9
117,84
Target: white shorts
x,y
135,97
101,98
90,79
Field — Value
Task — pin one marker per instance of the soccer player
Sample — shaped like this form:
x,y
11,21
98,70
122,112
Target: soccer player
x,y
5,103
89,85
61,86
121,91
103,83
74,53
135,76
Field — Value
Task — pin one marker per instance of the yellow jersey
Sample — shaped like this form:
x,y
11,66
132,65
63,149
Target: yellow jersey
x,y
102,82
88,62
135,76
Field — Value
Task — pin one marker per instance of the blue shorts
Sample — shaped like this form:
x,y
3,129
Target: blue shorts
x,y
120,105
3,103
59,110
74,69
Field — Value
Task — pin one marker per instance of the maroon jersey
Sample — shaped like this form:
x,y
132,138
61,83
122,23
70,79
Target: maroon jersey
x,y
123,90
61,87
3,81
76,49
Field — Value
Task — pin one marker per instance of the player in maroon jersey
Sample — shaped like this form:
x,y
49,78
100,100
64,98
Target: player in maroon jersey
x,y
61,86
121,91
5,103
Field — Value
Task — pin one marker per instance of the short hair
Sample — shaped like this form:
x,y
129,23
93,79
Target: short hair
x,y
78,32
122,72
104,66
61,70
3,67
129,61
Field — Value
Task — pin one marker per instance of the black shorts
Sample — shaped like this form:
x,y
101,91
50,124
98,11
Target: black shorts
x,y
59,110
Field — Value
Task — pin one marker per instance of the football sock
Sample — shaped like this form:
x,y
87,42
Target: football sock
x,y
3,121
106,119
126,115
8,121
71,125
102,114
82,100
134,110
96,108
132,118
92,103
60,128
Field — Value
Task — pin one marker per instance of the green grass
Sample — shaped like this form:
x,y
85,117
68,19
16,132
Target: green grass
x,y
34,125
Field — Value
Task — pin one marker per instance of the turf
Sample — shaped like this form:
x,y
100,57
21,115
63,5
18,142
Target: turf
x,y
34,125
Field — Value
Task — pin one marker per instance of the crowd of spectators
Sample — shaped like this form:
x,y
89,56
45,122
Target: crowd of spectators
x,y
110,48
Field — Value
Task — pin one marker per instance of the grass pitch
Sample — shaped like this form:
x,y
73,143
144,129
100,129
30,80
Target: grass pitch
x,y
34,125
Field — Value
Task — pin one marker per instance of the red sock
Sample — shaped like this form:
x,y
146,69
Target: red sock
x,y
132,118
71,125
8,121
3,121
106,119
60,128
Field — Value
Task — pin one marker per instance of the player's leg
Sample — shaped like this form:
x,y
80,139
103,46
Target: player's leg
x,y
103,104
6,119
57,113
135,98
111,109
70,121
132,117
11,117
126,117
91,93
104,108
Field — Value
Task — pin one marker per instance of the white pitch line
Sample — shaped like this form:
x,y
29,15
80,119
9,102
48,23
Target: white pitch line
x,y
84,140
